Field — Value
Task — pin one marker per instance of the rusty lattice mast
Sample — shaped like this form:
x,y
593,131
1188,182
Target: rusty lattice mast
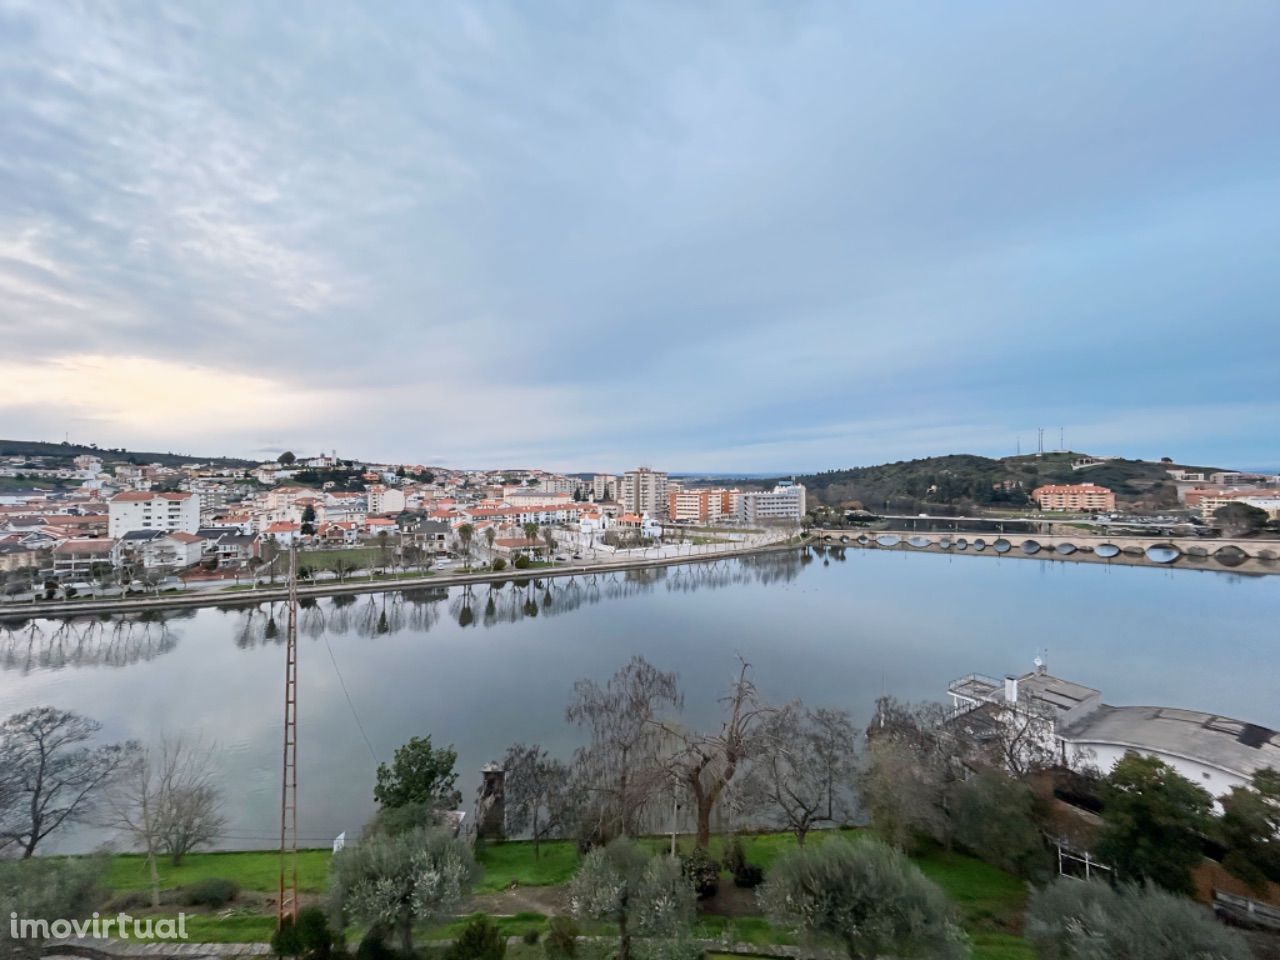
x,y
287,903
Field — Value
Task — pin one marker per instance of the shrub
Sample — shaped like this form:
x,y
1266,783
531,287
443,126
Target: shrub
x,y
480,940
499,565
702,872
286,941
561,941
735,858
747,876
212,892
1078,920
531,936
522,562
373,946
314,935
866,895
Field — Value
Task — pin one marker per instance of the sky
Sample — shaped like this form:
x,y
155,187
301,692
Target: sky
x,y
736,236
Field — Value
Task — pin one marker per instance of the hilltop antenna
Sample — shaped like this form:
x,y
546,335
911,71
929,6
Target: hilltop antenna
x,y
1039,442
287,904
1062,445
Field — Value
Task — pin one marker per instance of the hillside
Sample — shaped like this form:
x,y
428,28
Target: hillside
x,y
962,480
68,451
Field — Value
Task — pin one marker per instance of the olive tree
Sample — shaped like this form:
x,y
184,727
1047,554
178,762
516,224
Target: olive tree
x,y
48,889
394,881
867,897
647,897
1074,919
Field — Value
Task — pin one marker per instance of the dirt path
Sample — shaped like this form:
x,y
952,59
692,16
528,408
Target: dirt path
x,y
545,900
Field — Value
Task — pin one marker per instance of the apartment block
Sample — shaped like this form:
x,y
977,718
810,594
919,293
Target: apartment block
x,y
1081,497
147,510
785,502
644,491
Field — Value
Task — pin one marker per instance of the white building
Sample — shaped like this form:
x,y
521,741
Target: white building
x,y
148,510
1215,752
157,548
384,499
786,501
644,491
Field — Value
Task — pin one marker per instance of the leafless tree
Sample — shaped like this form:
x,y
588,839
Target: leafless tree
x,y
804,767
51,776
622,769
166,801
537,794
706,763
1016,737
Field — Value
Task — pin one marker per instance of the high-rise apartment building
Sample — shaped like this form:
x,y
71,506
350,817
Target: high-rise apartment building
x,y
644,491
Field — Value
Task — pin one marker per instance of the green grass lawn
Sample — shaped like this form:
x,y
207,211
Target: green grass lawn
x,y
990,902
253,870
515,862
357,558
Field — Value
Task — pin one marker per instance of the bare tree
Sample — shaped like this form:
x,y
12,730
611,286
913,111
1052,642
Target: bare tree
x,y
1018,737
706,763
549,538
804,767
537,793
52,778
165,800
621,769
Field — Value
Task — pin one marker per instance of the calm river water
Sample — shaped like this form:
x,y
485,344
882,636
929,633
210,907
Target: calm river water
x,y
485,670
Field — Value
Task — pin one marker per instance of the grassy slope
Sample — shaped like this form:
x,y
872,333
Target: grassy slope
x,y
990,902
253,870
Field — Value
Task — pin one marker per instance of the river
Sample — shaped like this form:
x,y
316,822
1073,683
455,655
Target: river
x,y
483,669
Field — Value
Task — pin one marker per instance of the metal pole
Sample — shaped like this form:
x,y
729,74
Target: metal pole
x,y
287,902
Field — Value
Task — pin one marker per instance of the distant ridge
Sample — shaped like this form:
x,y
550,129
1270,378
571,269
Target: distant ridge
x,y
40,448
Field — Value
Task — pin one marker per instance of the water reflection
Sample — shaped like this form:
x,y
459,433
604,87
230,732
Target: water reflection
x,y
109,642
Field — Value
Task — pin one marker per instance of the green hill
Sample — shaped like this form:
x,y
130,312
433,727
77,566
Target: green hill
x,y
965,480
69,451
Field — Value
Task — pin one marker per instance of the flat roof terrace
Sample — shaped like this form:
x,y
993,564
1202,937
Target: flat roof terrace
x,y
1238,746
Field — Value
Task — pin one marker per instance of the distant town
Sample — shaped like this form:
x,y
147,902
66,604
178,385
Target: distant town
x,y
103,523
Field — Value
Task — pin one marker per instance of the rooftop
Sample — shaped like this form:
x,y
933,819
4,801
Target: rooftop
x,y
1217,741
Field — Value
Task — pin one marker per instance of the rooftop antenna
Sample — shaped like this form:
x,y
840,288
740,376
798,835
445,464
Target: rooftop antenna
x,y
287,903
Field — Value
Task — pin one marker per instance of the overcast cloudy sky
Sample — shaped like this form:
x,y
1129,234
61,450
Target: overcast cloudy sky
x,y
739,236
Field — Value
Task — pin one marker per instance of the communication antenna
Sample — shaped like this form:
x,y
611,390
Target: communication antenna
x,y
1062,444
287,903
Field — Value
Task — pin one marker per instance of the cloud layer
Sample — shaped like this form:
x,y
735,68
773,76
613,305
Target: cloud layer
x,y
584,235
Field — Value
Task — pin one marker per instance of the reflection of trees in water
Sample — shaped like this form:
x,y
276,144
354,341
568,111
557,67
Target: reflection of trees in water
x,y
128,639
101,642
